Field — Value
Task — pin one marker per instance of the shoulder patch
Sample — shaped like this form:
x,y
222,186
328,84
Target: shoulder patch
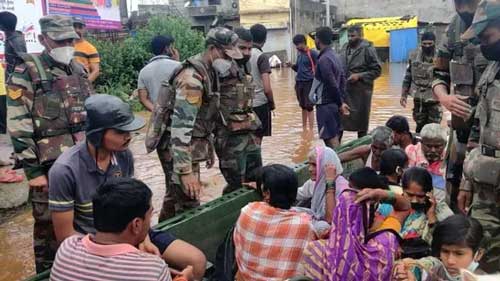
x,y
14,94
20,68
193,96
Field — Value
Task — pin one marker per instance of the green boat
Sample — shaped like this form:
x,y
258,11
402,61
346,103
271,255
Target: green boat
x,y
223,212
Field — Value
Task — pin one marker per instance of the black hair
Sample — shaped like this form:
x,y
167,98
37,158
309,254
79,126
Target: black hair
x,y
355,28
282,184
418,175
244,34
325,35
391,159
298,39
118,201
457,230
366,178
428,35
159,43
398,124
259,33
8,20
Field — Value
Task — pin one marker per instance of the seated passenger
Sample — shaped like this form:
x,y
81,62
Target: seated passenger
x,y
425,211
370,154
81,169
122,215
429,154
401,131
455,247
314,189
269,238
393,163
354,251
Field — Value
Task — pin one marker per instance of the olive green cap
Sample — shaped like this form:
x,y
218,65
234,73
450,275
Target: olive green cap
x,y
225,39
487,11
58,27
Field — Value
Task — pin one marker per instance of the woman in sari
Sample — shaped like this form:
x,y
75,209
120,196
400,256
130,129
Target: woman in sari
x,y
314,190
352,252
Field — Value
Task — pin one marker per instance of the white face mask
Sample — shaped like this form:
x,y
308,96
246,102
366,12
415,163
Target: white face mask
x,y
63,55
222,67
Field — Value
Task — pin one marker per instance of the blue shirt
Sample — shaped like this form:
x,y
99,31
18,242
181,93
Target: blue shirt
x,y
304,67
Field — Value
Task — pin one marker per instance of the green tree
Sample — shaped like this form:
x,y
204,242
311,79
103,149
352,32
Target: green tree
x,y
122,61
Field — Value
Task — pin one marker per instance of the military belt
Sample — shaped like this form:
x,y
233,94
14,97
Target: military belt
x,y
489,151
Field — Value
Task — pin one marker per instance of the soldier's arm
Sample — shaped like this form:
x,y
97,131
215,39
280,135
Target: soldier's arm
x,y
407,81
19,105
441,71
188,100
374,68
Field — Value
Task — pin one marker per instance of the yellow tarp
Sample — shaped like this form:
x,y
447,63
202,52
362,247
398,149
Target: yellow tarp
x,y
2,80
376,29
310,42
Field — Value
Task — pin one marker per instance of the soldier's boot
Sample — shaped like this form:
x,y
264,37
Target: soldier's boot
x,y
44,240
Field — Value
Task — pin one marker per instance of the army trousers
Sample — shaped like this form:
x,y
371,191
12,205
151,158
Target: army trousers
x,y
426,112
485,208
44,239
176,199
239,157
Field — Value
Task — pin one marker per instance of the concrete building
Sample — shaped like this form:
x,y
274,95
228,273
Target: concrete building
x,y
426,10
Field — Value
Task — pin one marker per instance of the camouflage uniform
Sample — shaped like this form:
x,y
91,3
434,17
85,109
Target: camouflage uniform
x,y
418,80
458,65
482,166
46,116
235,143
183,121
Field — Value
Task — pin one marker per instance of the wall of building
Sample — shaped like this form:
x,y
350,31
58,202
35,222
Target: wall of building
x,y
426,10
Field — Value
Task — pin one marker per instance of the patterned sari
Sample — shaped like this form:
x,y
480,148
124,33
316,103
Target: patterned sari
x,y
350,253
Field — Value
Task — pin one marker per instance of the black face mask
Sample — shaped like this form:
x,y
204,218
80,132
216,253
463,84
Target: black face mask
x,y
467,17
491,51
428,50
354,42
243,60
419,206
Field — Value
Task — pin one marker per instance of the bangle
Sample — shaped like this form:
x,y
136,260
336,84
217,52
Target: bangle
x,y
391,197
330,185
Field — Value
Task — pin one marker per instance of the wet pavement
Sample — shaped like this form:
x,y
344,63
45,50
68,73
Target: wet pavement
x,y
287,145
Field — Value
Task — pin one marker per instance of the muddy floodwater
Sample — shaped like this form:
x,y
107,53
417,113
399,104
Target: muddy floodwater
x,y
287,145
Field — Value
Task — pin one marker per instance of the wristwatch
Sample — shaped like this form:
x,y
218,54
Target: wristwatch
x,y
330,185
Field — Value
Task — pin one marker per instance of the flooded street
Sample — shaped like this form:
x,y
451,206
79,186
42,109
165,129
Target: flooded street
x,y
287,145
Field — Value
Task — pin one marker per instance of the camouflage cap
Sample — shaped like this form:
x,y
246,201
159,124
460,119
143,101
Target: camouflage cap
x,y
487,11
225,39
58,27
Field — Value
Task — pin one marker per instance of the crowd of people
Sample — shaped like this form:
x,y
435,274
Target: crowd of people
x,y
424,205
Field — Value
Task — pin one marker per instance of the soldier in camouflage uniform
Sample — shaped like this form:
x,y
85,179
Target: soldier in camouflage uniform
x,y
235,142
45,115
482,166
417,82
457,69
183,120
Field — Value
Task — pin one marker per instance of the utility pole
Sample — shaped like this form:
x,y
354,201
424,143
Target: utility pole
x,y
328,22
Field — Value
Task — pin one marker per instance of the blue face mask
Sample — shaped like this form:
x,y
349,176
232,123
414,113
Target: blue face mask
x,y
473,266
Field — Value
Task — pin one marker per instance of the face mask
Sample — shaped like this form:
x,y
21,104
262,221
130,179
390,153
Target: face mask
x,y
418,206
473,266
243,61
354,42
63,55
222,67
428,50
491,51
467,17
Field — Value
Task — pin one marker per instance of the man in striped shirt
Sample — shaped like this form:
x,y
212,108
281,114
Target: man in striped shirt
x,y
122,216
269,238
85,52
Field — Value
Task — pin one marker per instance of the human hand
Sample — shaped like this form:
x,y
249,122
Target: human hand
x,y
272,106
464,200
39,182
252,184
330,172
402,273
403,101
369,194
456,105
431,212
148,247
186,274
192,185
345,109
354,77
